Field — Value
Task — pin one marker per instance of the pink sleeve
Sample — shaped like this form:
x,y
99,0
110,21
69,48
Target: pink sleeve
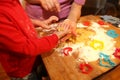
x,y
81,2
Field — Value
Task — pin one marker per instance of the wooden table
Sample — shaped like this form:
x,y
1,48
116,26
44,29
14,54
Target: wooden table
x,y
65,68
3,75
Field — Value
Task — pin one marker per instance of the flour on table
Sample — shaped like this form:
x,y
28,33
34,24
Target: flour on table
x,y
100,40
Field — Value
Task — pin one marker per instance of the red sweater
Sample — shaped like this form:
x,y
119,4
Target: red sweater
x,y
19,44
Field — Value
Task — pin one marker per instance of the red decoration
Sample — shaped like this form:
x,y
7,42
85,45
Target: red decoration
x,y
86,23
117,53
85,68
66,50
101,22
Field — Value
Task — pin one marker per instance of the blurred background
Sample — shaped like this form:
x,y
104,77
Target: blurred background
x,y
102,7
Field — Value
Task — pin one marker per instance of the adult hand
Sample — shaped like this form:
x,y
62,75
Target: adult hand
x,y
72,25
50,5
45,23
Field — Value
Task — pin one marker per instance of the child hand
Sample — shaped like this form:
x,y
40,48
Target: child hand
x,y
45,23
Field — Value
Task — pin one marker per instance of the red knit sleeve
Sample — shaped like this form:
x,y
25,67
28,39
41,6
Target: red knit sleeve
x,y
13,39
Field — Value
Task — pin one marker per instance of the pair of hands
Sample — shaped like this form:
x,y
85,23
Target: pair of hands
x,y
68,27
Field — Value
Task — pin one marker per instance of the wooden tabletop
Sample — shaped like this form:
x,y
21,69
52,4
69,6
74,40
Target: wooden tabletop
x,y
65,68
3,74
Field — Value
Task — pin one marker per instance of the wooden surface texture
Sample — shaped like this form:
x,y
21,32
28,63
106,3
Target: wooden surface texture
x,y
65,68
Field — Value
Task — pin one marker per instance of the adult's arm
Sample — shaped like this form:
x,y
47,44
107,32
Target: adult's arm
x,y
73,17
75,11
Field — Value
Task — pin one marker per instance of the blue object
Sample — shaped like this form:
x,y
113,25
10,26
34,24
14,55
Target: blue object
x,y
106,59
112,33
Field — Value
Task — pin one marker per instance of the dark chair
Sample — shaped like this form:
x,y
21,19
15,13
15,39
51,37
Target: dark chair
x,y
99,7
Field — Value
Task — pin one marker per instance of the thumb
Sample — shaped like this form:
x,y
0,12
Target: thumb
x,y
51,19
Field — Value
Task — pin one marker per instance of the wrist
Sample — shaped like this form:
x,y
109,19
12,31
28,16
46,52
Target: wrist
x,y
60,34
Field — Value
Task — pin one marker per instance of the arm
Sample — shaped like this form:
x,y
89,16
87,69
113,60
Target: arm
x,y
76,11
72,18
16,38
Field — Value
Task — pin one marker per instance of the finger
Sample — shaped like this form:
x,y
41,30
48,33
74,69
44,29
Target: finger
x,y
57,5
39,23
44,4
64,27
50,5
43,25
67,21
53,19
63,24
38,29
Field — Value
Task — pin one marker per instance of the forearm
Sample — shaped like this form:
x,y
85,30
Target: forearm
x,y
75,12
